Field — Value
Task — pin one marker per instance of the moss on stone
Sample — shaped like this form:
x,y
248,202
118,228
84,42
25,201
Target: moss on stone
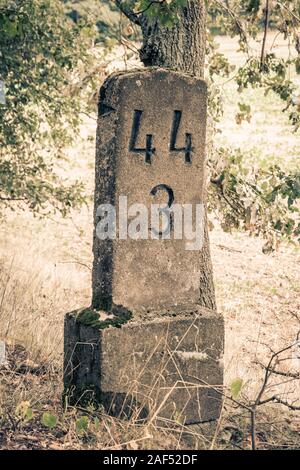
x,y
91,317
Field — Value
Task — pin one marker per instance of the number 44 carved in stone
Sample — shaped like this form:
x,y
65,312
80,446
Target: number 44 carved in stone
x,y
149,150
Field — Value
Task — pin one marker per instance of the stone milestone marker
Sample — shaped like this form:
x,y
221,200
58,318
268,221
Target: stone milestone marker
x,y
145,344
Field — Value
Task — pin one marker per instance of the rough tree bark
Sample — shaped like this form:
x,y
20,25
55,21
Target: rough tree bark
x,y
180,48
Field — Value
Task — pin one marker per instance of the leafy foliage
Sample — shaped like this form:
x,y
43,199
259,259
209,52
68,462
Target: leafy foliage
x,y
247,19
260,198
166,10
99,20
39,51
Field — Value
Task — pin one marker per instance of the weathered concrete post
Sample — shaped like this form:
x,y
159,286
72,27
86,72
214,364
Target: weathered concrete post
x,y
145,344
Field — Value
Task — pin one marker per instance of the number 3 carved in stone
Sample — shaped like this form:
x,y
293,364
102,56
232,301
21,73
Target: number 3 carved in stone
x,y
165,210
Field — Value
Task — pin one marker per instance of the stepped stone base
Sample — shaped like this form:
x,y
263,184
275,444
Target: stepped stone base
x,y
167,368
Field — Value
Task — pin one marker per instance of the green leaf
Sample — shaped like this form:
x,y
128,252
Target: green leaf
x,y
49,420
29,414
96,424
23,411
10,28
236,387
82,425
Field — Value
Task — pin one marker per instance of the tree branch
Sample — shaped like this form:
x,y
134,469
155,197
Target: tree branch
x,y
279,372
152,2
130,14
266,25
269,370
235,18
279,400
286,403
12,199
297,18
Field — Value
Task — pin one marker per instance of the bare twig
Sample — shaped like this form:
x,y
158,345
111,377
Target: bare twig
x,y
297,18
276,399
235,19
280,372
12,199
152,2
80,263
134,16
286,403
266,25
269,370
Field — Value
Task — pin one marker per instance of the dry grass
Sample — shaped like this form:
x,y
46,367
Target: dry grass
x,y
45,271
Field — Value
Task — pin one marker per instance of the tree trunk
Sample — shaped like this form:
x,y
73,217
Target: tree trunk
x,y
182,48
